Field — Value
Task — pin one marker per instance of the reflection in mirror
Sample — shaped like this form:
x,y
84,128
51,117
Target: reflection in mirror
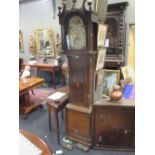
x,y
21,48
45,42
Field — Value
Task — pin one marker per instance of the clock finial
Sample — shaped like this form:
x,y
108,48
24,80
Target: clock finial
x,y
74,2
59,8
90,4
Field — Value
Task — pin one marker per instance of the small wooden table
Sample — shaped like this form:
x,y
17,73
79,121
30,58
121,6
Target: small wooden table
x,y
56,107
48,68
36,140
25,85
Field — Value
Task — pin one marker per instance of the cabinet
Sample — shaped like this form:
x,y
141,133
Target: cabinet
x,y
115,20
114,125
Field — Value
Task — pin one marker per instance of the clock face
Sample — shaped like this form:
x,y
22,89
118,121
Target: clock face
x,y
76,38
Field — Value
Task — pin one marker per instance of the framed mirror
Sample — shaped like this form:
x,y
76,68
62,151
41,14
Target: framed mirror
x,y
45,42
21,47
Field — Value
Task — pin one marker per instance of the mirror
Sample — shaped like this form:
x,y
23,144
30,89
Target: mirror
x,y
21,48
45,42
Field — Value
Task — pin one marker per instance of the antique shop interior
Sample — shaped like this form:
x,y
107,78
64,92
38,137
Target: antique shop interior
x,y
76,77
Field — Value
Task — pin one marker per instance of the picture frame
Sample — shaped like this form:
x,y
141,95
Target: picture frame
x,y
111,78
100,77
45,42
101,58
102,31
21,46
128,73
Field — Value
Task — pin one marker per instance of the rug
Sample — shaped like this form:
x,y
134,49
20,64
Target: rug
x,y
39,96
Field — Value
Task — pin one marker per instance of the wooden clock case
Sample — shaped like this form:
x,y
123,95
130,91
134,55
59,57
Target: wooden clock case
x,y
81,76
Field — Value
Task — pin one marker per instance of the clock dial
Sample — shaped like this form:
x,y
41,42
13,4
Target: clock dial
x,y
76,38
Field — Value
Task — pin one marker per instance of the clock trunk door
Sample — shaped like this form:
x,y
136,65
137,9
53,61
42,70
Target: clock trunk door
x,y
79,79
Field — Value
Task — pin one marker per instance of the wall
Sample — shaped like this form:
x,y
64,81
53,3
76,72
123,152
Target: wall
x,y
131,55
36,14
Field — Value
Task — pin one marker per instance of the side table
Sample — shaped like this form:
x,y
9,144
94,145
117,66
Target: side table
x,y
56,107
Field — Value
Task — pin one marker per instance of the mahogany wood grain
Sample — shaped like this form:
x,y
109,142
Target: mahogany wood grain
x,y
40,143
114,124
29,83
48,68
25,85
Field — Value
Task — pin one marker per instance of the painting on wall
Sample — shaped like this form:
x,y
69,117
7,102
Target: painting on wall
x,y
111,78
21,48
45,42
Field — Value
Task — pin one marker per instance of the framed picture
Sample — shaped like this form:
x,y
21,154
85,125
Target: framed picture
x,y
21,47
45,42
100,77
128,73
102,30
101,58
111,78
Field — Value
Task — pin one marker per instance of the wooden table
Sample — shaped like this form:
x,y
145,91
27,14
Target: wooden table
x,y
56,107
25,85
36,140
48,68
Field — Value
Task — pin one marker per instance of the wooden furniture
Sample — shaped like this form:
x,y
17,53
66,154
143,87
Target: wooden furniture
x,y
20,64
25,85
79,42
37,141
115,19
56,107
48,68
79,28
114,124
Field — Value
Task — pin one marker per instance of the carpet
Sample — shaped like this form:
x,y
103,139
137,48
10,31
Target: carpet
x,y
38,96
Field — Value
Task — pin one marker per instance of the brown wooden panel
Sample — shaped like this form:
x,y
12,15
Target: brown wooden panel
x,y
78,125
78,79
114,127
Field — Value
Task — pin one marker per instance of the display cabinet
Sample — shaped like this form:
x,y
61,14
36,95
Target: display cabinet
x,y
115,37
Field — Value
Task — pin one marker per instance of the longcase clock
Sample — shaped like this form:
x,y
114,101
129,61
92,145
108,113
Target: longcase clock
x,y
79,41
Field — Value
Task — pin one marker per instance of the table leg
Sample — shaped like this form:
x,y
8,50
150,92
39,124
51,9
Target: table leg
x,y
49,119
62,114
57,125
53,79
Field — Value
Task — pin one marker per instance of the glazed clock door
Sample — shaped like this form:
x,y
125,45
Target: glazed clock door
x,y
76,34
78,61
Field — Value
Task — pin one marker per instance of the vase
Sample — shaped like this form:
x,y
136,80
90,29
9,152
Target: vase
x,y
116,93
